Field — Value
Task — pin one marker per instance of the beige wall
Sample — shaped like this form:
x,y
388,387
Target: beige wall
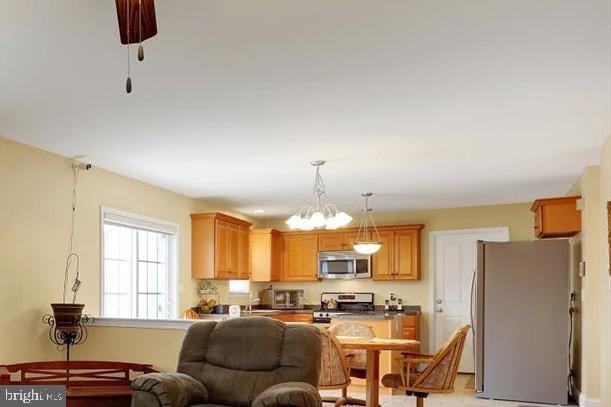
x,y
517,217
589,187
605,280
35,199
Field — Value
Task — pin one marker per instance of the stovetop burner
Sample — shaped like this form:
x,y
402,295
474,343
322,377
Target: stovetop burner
x,y
336,303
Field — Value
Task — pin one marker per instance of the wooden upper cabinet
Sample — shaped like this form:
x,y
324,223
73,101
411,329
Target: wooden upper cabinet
x,y
399,257
299,257
336,241
265,255
243,253
219,247
382,261
407,256
557,217
330,242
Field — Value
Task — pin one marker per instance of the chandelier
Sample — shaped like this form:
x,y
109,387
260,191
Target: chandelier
x,y
321,214
363,243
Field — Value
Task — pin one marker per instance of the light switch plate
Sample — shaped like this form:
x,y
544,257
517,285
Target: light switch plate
x,y
582,268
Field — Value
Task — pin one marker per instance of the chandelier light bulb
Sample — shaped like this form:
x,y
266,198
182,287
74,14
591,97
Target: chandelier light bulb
x,y
318,219
294,221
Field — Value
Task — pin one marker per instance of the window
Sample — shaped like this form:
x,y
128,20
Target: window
x,y
138,266
240,287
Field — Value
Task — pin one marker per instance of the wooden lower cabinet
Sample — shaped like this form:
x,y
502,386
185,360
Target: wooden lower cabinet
x,y
300,257
411,327
302,317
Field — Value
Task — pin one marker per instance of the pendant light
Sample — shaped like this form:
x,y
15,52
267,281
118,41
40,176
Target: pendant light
x,y
321,214
364,244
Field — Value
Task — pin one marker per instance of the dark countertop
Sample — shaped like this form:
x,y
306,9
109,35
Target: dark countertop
x,y
377,314
263,312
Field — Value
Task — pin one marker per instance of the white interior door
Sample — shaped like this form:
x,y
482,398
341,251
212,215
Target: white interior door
x,y
453,261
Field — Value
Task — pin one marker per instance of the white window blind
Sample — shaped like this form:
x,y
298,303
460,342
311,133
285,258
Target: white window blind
x,y
138,266
239,287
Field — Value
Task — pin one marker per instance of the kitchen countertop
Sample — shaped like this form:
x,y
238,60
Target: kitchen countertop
x,y
262,312
378,314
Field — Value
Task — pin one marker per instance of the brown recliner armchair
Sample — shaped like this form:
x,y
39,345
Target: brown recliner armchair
x,y
258,362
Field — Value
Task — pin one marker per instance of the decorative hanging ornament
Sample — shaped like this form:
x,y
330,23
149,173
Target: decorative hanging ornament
x,y
139,14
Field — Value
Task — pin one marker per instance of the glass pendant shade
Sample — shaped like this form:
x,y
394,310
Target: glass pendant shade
x,y
339,220
320,214
318,219
367,247
363,244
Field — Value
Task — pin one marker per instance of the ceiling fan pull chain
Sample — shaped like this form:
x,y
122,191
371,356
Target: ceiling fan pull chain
x,y
128,82
140,47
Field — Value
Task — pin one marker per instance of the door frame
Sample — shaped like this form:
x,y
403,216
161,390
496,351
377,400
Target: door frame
x,y
432,237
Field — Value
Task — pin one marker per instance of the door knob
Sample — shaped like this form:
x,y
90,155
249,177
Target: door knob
x,y
439,309
438,301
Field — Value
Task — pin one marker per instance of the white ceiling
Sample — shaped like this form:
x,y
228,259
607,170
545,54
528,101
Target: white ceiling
x,y
427,103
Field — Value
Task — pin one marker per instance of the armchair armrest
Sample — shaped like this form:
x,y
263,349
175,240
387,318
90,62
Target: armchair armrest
x,y
289,394
170,389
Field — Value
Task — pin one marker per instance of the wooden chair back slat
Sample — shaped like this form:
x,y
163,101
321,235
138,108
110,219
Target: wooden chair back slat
x,y
335,371
441,372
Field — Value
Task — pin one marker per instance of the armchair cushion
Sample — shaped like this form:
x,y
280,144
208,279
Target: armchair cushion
x,y
172,389
290,394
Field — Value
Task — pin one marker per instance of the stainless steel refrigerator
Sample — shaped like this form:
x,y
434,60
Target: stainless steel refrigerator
x,y
521,320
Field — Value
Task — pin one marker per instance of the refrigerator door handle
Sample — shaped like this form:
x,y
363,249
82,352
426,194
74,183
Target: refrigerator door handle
x,y
478,316
471,302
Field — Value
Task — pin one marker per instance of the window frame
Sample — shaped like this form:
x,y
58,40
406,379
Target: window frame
x,y
238,293
141,222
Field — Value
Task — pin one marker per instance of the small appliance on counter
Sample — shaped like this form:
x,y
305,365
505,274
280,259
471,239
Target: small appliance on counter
x,y
332,304
282,299
221,309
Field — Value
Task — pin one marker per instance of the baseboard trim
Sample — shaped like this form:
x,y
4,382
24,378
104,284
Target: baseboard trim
x,y
584,401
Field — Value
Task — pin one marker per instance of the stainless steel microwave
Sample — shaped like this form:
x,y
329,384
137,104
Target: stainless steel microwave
x,y
343,265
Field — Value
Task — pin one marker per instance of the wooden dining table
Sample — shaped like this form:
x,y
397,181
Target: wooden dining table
x,y
373,348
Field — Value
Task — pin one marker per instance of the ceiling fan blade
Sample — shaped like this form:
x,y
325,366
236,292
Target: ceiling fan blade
x,y
149,21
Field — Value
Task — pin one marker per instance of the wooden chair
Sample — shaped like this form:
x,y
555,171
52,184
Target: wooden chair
x,y
190,314
439,374
334,368
357,359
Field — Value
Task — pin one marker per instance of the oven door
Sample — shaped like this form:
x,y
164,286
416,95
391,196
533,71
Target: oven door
x,y
343,265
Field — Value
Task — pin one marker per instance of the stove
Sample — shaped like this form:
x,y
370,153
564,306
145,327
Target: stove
x,y
341,303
